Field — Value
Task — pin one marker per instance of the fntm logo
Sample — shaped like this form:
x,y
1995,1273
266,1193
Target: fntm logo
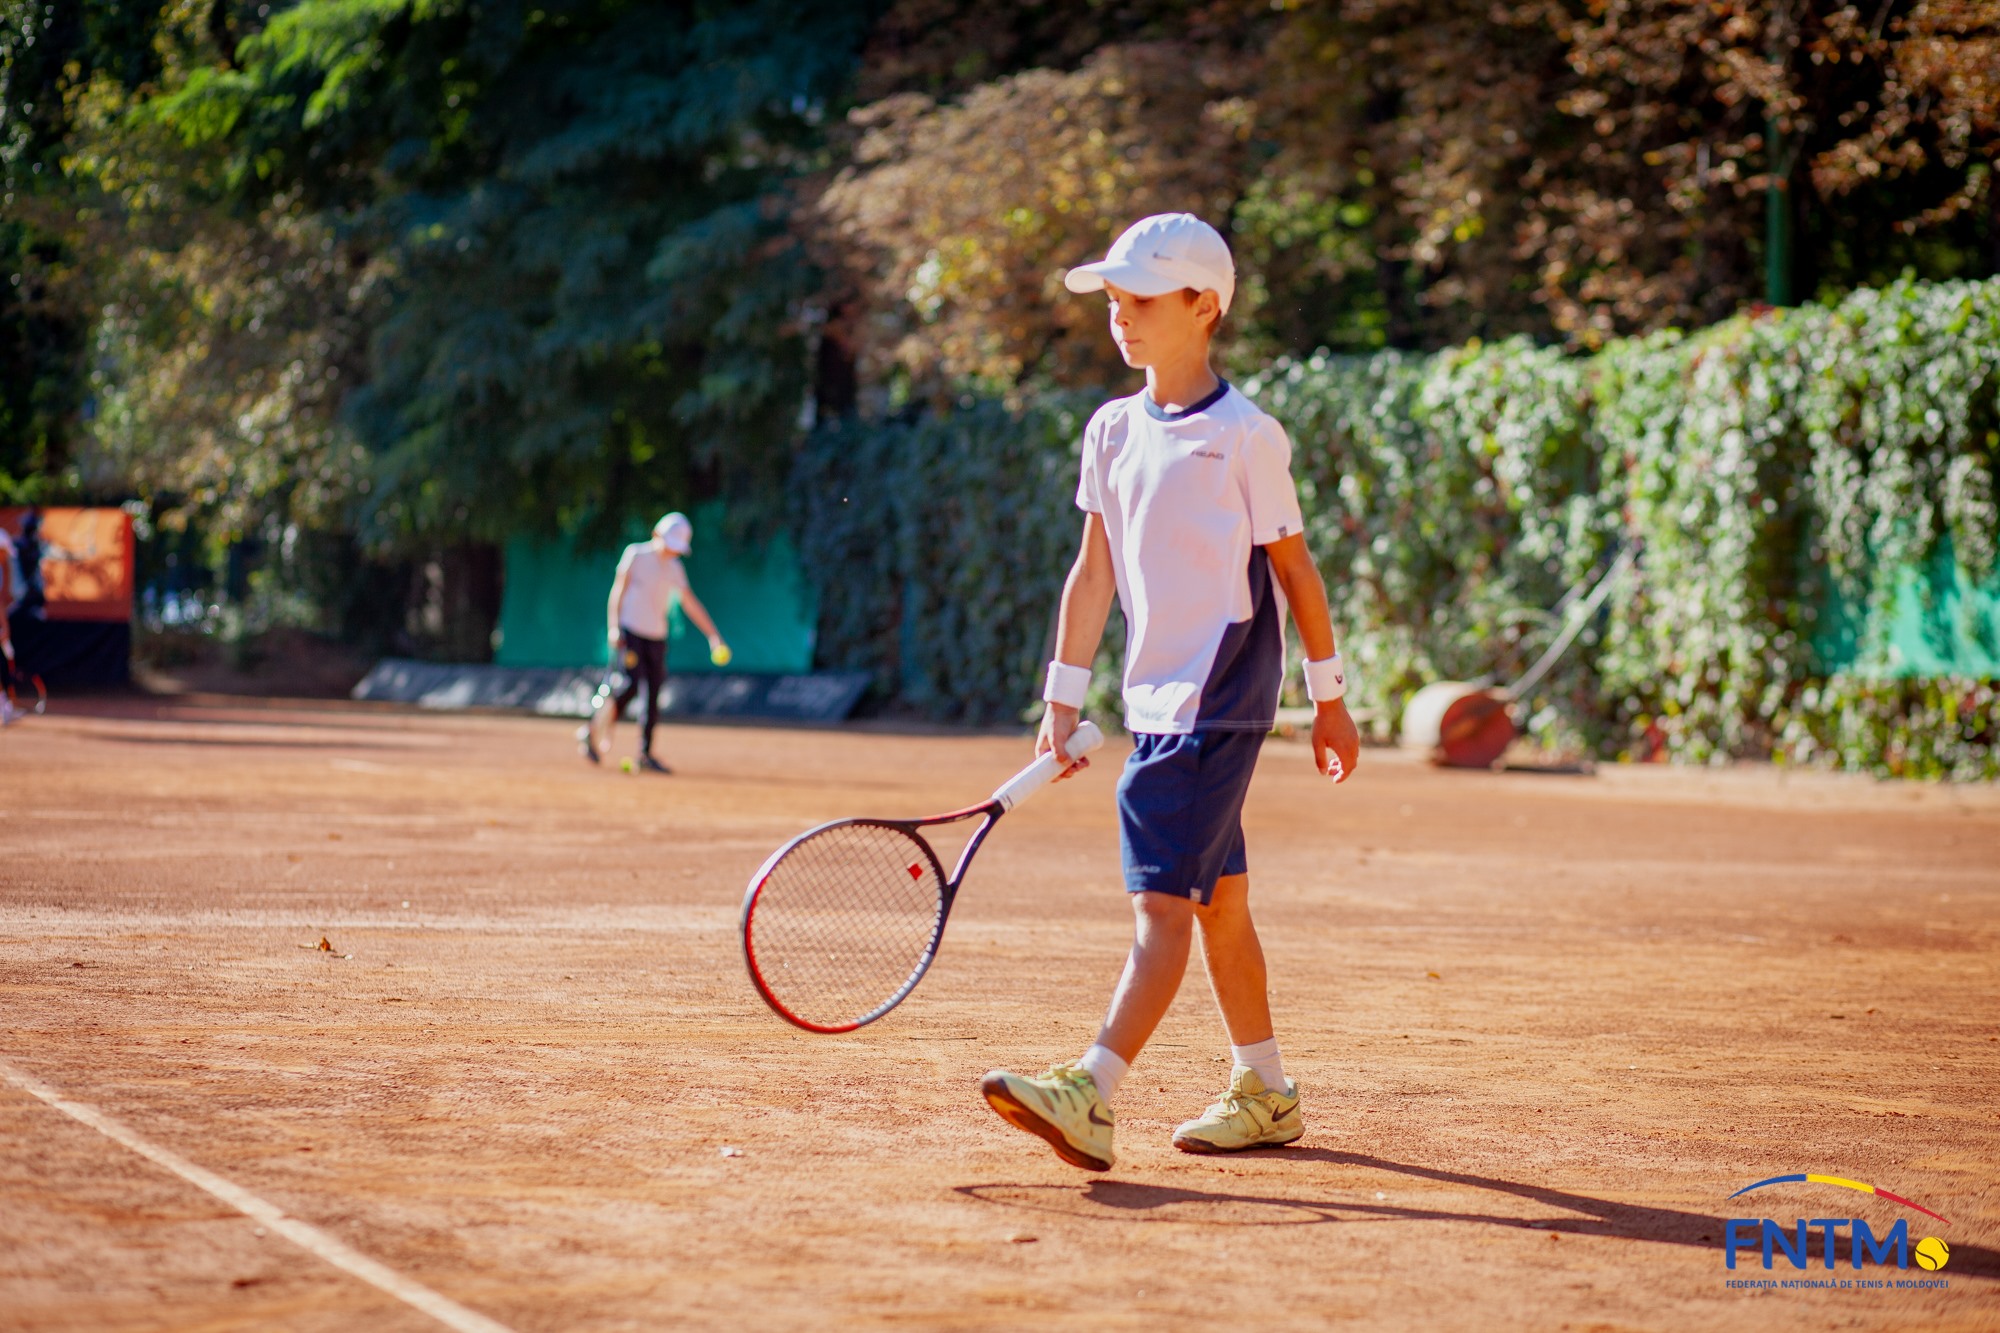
x,y
1863,1245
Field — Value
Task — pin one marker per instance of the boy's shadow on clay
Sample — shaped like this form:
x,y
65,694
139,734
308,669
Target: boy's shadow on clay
x,y
1115,1200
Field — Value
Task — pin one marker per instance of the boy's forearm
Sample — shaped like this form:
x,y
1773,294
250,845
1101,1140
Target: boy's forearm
x,y
1086,605
1292,565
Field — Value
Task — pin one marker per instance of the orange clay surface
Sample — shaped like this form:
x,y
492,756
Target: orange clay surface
x,y
1545,1025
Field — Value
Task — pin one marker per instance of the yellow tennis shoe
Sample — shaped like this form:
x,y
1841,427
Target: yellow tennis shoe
x,y
1061,1107
1248,1115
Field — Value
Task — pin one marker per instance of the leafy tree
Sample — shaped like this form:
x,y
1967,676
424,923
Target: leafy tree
x,y
970,212
47,52
224,334
595,305
1419,172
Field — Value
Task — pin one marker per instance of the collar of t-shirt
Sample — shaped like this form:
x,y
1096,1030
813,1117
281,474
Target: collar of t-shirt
x,y
1158,413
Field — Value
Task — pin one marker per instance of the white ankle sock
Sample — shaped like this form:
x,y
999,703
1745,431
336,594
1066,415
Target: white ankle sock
x,y
1264,1058
1105,1068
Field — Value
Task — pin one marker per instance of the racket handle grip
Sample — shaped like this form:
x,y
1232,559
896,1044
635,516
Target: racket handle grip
x,y
1046,767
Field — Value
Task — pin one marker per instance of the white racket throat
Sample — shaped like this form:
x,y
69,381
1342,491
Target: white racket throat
x,y
1048,767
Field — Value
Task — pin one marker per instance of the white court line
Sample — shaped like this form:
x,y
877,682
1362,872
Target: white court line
x,y
302,1234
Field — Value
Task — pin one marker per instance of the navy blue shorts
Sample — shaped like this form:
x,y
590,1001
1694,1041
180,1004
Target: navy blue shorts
x,y
1180,811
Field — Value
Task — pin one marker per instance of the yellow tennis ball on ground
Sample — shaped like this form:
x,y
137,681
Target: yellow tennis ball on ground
x,y
720,654
628,766
1932,1254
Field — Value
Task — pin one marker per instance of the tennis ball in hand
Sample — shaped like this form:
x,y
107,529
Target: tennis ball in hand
x,y
720,654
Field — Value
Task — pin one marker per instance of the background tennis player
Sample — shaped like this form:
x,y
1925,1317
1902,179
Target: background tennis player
x,y
1192,520
650,579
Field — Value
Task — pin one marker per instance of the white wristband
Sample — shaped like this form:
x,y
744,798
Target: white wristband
x,y
1326,680
1067,685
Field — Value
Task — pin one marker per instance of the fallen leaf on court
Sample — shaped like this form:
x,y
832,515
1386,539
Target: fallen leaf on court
x,y
732,1152
1434,976
324,946
1022,1238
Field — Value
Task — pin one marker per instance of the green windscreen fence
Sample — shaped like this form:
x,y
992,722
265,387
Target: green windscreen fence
x,y
1939,623
552,606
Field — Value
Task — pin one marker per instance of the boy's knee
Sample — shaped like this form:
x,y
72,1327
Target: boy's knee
x,y
1163,912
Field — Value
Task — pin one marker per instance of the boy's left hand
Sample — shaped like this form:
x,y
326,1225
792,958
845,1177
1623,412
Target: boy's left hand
x,y
1336,740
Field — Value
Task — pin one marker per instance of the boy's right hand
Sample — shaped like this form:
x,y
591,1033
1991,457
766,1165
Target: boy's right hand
x,y
1058,725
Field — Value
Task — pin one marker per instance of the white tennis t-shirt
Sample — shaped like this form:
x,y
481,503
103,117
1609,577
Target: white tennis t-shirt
x,y
1186,499
653,578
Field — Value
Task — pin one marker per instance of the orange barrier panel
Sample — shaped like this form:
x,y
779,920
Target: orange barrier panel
x,y
86,561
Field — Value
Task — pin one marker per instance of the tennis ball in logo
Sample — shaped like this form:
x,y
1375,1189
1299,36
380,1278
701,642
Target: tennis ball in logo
x,y
720,654
1932,1254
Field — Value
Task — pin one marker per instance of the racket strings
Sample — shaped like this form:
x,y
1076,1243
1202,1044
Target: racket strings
x,y
845,921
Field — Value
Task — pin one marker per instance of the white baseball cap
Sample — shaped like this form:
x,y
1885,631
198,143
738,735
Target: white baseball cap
x,y
676,532
1163,253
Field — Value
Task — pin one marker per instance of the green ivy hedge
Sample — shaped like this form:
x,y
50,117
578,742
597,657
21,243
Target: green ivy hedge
x,y
938,546
1938,728
1773,473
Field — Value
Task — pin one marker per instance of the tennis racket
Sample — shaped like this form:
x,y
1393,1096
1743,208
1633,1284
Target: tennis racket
x,y
843,921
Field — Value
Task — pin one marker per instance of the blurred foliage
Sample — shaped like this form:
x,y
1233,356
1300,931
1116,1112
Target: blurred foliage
x,y
1414,173
937,544
225,335
594,304
410,276
1774,466
1940,728
1759,470
581,259
1042,166
48,51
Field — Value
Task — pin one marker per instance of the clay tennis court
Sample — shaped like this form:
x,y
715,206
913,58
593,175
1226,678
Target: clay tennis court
x,y
1545,1025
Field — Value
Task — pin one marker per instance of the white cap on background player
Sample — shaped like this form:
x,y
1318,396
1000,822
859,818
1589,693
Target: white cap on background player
x,y
1167,252
675,532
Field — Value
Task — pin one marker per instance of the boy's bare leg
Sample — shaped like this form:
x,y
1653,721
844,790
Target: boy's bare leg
x,y
1261,1107
1163,935
1235,961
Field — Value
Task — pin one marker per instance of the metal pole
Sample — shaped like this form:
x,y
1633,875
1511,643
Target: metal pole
x,y
1777,218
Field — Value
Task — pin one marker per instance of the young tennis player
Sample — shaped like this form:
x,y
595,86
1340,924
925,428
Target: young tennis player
x,y
650,579
1192,520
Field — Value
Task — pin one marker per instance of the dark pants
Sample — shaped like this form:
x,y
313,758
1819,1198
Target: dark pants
x,y
643,660
14,673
